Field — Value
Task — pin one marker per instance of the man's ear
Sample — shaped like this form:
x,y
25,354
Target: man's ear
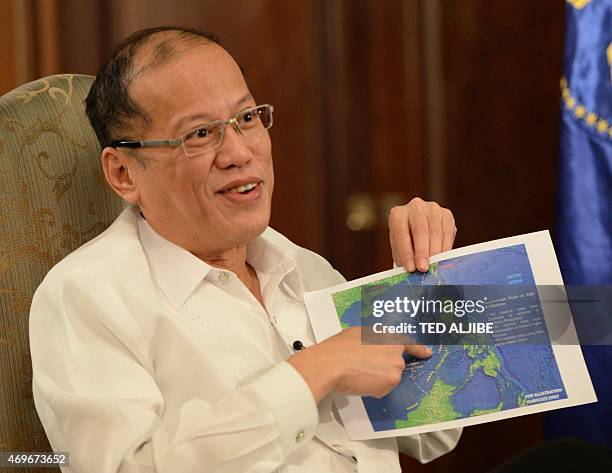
x,y
117,172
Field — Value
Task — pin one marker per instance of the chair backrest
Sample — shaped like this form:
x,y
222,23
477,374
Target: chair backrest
x,y
53,198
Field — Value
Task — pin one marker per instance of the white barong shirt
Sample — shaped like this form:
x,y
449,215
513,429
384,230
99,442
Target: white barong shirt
x,y
146,359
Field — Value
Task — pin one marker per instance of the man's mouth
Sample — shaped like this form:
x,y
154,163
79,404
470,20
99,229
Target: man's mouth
x,y
243,189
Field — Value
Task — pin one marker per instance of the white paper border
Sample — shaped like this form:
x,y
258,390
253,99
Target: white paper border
x,y
574,374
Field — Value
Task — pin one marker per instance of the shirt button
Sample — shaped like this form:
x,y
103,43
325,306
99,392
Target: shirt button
x,y
223,276
300,436
337,447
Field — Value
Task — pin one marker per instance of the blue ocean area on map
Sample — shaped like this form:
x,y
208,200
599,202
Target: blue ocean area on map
x,y
460,381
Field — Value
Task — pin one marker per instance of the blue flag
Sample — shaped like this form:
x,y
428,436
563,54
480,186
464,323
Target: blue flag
x,y
584,232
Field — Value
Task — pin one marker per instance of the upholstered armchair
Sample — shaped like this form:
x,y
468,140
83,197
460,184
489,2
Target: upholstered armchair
x,y
53,199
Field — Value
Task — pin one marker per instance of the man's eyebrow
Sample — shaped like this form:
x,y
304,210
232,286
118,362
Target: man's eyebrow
x,y
248,97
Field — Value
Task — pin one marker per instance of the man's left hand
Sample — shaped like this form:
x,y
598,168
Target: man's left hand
x,y
419,230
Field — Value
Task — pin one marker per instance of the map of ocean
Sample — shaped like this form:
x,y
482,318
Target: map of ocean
x,y
460,381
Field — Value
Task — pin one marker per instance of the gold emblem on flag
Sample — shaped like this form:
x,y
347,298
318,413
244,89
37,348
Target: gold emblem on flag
x,y
609,52
579,4
590,118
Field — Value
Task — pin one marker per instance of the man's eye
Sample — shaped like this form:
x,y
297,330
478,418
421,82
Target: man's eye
x,y
201,133
248,119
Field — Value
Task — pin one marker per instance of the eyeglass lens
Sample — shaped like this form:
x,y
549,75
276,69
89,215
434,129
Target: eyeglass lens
x,y
211,135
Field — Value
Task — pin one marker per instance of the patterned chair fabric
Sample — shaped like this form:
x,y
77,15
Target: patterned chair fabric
x,y
53,199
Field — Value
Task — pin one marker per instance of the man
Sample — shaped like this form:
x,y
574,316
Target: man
x,y
167,343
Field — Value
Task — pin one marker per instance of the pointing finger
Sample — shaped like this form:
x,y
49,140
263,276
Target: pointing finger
x,y
420,351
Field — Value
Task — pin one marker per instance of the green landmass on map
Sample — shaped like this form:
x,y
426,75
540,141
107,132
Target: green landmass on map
x,y
434,407
346,298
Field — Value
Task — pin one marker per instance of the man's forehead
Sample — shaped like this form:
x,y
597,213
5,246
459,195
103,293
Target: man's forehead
x,y
165,47
200,80
187,61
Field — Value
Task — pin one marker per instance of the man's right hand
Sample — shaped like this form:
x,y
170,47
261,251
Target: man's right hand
x,y
344,365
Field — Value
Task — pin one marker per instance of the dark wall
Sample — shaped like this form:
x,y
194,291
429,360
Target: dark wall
x,y
502,64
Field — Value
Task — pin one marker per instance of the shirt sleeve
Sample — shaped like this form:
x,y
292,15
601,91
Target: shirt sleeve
x,y
99,400
429,446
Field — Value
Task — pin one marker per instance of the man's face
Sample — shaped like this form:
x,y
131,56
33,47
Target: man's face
x,y
194,201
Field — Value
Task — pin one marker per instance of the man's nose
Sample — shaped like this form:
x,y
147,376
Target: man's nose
x,y
233,150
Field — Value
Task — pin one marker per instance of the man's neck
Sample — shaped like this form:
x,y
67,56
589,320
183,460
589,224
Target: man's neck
x,y
234,260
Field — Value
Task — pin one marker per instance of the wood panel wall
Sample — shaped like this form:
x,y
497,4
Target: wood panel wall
x,y
376,101
29,41
502,64
375,123
8,76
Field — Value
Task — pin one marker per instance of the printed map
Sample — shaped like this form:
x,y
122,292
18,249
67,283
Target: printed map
x,y
460,381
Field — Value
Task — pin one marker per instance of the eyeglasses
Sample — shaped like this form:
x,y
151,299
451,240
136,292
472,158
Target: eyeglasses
x,y
210,135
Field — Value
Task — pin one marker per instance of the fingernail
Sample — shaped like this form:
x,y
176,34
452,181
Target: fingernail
x,y
410,267
424,264
428,350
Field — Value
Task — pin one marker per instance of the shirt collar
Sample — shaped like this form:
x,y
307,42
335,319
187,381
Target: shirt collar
x,y
177,272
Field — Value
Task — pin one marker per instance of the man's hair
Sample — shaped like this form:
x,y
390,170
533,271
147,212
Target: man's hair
x,y
108,104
